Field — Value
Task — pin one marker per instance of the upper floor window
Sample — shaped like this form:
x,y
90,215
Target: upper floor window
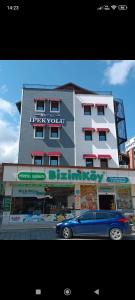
x,y
87,110
54,133
104,163
88,136
100,110
54,106
38,160
102,136
54,161
89,162
40,105
39,132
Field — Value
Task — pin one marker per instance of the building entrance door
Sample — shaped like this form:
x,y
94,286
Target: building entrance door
x,y
107,202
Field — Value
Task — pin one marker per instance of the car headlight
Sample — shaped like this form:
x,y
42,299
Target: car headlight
x,y
58,224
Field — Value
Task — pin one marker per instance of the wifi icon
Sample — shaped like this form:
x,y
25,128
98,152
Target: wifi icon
x,y
113,6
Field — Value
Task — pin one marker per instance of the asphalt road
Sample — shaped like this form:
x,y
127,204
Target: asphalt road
x,y
42,234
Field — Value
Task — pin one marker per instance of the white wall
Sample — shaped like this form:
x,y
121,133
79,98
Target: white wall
x,y
95,121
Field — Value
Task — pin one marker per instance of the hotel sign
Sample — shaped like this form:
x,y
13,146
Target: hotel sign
x,y
44,120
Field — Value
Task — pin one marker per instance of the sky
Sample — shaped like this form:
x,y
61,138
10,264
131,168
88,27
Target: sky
x,y
117,76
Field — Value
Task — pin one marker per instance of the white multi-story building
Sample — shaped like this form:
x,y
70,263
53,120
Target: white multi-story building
x,y
95,131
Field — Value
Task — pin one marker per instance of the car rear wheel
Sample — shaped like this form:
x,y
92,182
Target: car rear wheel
x,y
66,233
116,234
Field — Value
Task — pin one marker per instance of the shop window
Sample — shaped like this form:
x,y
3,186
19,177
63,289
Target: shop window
x,y
57,200
100,110
103,163
40,105
87,110
38,160
54,133
39,132
89,162
54,161
54,106
88,136
102,136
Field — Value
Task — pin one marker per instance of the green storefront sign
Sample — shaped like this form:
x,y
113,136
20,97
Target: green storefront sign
x,y
117,179
31,176
7,203
75,176
63,175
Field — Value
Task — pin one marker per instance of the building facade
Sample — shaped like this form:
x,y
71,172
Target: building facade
x,y
68,126
130,150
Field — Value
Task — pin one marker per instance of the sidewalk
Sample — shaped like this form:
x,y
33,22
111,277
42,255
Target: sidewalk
x,y
47,225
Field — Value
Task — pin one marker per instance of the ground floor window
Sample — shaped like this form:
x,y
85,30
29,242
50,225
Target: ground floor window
x,y
56,200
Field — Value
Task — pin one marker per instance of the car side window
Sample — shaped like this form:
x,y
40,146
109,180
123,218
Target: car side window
x,y
102,216
88,216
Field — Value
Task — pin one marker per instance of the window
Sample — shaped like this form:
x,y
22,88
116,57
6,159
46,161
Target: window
x,y
100,110
88,216
54,133
89,162
54,161
87,110
104,163
105,215
55,106
38,160
102,216
40,105
39,132
102,136
88,136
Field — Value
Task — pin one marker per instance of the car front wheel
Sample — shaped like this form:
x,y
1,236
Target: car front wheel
x,y
116,234
66,233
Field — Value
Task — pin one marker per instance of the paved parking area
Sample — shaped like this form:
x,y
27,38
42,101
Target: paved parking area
x,y
42,234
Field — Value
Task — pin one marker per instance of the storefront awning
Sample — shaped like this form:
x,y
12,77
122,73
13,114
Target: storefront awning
x,y
38,125
106,156
54,153
38,153
103,129
88,129
54,125
88,104
101,104
40,99
89,156
54,99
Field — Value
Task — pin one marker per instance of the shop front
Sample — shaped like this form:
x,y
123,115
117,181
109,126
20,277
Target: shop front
x,y
39,194
39,203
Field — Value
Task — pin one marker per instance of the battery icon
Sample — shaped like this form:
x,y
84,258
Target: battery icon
x,y
122,7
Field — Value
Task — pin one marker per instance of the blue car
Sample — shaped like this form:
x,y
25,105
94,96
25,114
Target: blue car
x,y
112,224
